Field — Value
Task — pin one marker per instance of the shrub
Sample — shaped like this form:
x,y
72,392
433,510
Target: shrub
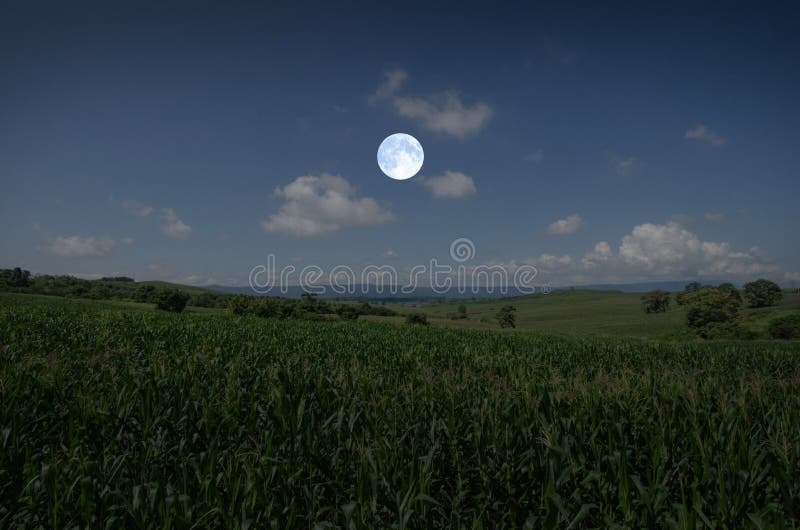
x,y
239,305
419,319
347,312
172,300
787,327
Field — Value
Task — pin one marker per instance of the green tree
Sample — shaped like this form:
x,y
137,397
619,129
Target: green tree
x,y
171,300
506,316
762,293
462,311
655,301
20,278
713,312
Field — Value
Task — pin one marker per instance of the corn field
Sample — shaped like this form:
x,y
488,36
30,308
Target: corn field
x,y
114,418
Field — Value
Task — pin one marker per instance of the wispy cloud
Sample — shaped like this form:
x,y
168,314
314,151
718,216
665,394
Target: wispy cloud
x,y
570,225
137,208
445,113
714,217
536,156
626,166
682,219
451,185
704,134
318,205
80,246
172,226
391,83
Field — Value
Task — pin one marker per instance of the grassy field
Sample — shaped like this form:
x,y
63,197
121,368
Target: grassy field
x,y
120,416
611,313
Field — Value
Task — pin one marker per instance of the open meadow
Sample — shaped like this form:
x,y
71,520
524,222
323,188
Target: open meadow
x,y
121,416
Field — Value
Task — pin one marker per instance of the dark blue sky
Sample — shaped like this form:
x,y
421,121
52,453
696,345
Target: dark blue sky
x,y
167,142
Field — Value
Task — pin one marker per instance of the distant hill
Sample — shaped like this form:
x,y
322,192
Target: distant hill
x,y
189,289
371,292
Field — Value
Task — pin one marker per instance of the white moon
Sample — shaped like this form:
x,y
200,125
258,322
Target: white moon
x,y
400,156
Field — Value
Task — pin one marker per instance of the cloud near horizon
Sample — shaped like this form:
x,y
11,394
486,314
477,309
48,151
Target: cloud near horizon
x,y
318,205
80,246
653,252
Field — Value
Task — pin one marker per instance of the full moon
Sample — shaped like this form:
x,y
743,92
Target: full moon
x,y
400,156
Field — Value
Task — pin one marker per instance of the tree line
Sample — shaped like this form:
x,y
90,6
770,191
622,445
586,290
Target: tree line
x,y
173,299
715,311
108,288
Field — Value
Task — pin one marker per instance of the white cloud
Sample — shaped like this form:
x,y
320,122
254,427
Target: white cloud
x,y
138,208
318,205
703,133
128,240
79,246
445,113
451,185
625,167
172,226
570,225
536,156
713,217
390,254
792,276
392,81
